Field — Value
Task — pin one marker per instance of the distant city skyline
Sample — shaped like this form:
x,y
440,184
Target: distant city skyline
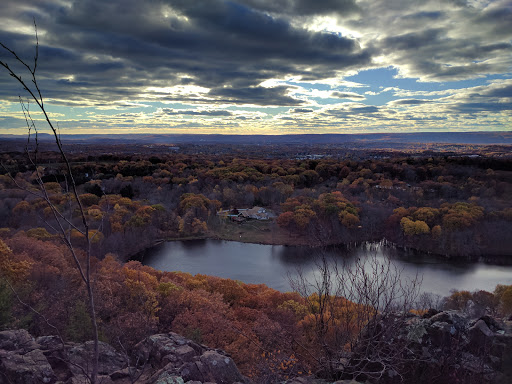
x,y
261,66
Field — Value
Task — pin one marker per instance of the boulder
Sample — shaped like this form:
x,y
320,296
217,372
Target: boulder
x,y
82,379
441,334
447,345
48,343
17,340
110,360
177,359
219,368
25,368
162,349
493,324
160,359
480,337
167,378
459,321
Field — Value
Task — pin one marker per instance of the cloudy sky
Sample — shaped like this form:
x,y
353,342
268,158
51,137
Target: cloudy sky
x,y
263,66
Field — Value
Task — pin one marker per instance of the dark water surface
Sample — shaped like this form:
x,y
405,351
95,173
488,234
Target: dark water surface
x,y
270,264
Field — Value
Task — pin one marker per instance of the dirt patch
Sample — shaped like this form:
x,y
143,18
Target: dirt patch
x,y
256,231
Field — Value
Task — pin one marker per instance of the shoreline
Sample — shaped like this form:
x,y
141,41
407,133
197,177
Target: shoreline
x,y
495,259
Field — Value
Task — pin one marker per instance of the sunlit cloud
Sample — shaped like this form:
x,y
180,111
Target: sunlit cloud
x,y
263,66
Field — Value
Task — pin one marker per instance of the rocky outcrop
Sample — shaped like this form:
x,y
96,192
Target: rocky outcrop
x,y
159,359
21,360
172,357
438,347
447,347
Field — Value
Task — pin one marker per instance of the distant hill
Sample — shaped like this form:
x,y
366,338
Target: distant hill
x,y
504,137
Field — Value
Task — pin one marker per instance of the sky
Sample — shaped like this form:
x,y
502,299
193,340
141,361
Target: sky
x,y
261,66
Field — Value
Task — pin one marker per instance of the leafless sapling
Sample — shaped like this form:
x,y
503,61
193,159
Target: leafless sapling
x,y
61,223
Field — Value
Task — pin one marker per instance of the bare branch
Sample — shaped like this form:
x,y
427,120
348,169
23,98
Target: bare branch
x,y
60,220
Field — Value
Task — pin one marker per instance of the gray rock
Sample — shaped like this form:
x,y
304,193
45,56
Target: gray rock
x,y
440,334
28,368
480,337
416,330
303,380
444,317
185,353
124,373
167,378
221,369
82,379
109,359
175,358
193,371
493,324
451,317
212,366
49,343
17,340
163,349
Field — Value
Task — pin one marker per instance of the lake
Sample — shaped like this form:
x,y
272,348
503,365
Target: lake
x,y
271,264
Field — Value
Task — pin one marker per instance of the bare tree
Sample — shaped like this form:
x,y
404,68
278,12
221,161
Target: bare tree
x,y
358,310
61,223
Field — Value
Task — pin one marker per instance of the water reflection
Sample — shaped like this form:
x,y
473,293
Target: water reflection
x,y
270,264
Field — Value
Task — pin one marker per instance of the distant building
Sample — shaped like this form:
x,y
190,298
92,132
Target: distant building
x,y
242,214
257,213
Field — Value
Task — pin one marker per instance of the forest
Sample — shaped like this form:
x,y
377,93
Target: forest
x,y
453,206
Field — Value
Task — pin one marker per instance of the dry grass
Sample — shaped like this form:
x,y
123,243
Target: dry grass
x,y
254,231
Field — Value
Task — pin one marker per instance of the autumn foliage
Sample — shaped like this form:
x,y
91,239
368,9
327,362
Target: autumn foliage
x,y
449,206
454,206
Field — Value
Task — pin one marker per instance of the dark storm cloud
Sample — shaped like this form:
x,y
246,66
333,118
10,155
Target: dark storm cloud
x,y
9,122
498,19
493,98
306,7
500,90
413,41
439,41
256,95
433,53
352,111
364,110
482,107
228,46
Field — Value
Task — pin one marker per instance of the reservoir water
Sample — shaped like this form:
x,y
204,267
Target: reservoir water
x,y
271,264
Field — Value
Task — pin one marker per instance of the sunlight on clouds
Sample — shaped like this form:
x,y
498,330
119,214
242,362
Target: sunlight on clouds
x,y
479,4
330,24
22,26
271,83
276,67
69,78
5,104
169,12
